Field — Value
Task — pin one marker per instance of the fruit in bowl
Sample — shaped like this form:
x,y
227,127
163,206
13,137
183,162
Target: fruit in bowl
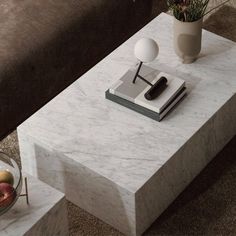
x,y
7,194
6,177
10,182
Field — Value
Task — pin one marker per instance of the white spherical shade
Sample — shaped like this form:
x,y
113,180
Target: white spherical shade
x,y
146,49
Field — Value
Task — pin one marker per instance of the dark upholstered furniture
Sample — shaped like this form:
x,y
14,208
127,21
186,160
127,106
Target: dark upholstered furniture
x,y
46,44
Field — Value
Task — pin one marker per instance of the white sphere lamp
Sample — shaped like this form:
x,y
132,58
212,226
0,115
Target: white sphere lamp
x,y
146,50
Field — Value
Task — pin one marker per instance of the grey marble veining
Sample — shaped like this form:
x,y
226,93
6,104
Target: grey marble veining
x,y
84,139
45,215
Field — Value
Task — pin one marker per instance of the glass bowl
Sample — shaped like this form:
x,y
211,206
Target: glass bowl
x,y
10,182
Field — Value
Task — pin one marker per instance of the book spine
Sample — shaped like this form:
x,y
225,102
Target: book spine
x,y
142,110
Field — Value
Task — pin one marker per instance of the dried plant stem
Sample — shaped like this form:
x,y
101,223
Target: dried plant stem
x,y
190,10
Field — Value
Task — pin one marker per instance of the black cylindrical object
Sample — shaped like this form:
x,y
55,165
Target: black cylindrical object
x,y
156,89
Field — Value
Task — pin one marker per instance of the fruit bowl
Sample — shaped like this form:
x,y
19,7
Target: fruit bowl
x,y
10,182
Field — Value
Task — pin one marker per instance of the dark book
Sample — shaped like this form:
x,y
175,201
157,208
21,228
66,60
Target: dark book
x,y
143,110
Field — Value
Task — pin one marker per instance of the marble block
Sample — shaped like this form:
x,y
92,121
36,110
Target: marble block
x,y
45,215
117,164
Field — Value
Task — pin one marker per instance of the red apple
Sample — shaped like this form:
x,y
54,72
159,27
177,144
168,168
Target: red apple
x,y
7,194
6,177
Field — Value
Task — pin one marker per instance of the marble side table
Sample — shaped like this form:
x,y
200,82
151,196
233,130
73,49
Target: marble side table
x,y
119,165
45,215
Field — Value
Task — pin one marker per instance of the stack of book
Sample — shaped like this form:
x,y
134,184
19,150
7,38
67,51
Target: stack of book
x,y
131,95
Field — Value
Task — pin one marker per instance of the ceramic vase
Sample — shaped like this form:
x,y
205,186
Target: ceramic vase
x,y
187,39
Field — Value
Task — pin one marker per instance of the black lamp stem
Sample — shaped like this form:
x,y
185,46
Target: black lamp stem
x,y
144,80
136,75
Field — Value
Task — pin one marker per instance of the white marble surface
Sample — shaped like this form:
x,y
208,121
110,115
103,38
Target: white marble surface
x,y
45,215
125,150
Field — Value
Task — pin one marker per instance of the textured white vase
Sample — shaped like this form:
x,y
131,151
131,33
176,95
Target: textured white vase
x,y
187,39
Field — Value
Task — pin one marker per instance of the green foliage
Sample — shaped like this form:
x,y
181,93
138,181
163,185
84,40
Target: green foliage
x,y
188,10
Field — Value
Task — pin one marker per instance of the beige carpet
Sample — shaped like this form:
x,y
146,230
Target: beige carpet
x,y
208,205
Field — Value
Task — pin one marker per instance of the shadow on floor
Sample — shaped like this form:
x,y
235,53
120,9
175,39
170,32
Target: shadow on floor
x,y
208,204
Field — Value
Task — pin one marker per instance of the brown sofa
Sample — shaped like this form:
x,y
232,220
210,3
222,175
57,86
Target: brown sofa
x,y
46,44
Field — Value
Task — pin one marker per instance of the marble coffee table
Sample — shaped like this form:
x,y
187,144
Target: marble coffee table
x,y
117,164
